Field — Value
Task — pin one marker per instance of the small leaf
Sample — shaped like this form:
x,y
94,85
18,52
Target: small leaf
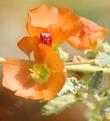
x,y
58,104
95,82
103,59
68,87
72,85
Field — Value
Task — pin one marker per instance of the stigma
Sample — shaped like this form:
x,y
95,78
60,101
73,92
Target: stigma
x,y
46,38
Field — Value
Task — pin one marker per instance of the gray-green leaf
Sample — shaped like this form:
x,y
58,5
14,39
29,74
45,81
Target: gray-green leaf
x,y
103,59
72,85
95,82
68,87
58,104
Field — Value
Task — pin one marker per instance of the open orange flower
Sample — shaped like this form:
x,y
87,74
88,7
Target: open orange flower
x,y
89,36
42,80
51,25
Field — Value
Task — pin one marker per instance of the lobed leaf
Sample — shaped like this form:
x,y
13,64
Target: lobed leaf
x,y
74,86
103,59
58,104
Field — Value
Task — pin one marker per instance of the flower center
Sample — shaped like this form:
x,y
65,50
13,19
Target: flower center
x,y
46,38
40,73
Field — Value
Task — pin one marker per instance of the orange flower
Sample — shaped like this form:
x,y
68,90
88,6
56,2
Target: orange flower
x,y
41,80
57,21
52,26
89,37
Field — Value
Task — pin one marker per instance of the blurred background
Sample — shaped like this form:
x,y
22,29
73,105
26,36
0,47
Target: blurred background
x,y
13,15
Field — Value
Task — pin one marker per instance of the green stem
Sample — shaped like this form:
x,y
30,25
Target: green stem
x,y
80,62
2,60
86,68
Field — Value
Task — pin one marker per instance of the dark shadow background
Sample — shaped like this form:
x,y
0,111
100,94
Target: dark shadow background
x,y
17,109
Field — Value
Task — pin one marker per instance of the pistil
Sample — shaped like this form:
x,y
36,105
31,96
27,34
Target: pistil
x,y
40,73
46,38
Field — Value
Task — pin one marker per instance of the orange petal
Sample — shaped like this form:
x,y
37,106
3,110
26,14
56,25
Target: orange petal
x,y
35,31
54,85
27,44
89,36
43,16
59,36
51,58
77,43
39,18
16,78
11,70
68,20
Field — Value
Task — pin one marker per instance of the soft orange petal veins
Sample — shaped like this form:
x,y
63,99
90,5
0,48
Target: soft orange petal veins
x,y
15,73
54,84
79,43
89,36
10,70
68,19
43,16
39,18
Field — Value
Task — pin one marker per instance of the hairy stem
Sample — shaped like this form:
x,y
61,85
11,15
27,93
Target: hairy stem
x,y
86,68
81,62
